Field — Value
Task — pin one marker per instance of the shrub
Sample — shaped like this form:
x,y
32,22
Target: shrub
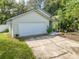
x,y
55,26
49,30
13,49
68,25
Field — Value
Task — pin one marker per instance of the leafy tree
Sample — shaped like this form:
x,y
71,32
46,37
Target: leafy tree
x,y
52,6
70,16
67,12
9,8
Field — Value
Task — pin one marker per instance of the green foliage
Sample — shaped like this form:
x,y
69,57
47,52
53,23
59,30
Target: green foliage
x,y
9,8
49,30
69,17
52,6
55,26
67,12
14,49
68,25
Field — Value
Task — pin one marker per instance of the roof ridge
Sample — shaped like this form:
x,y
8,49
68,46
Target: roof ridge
x,y
44,12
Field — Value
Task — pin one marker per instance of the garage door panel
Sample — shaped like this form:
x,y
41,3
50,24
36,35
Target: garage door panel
x,y
26,29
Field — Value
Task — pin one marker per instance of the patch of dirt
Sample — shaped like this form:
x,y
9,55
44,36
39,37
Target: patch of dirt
x,y
72,36
76,50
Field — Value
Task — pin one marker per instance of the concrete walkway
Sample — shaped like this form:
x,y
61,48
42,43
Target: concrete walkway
x,y
48,47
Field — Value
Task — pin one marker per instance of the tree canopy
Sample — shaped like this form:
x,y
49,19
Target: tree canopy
x,y
67,12
9,8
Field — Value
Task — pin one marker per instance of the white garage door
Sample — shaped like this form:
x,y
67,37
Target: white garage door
x,y
26,29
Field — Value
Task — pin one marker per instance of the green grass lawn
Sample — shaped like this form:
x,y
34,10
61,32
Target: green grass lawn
x,y
4,36
14,49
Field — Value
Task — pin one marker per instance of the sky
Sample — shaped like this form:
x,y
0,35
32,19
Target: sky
x,y
20,0
42,4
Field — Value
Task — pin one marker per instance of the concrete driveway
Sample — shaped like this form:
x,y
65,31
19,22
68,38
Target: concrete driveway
x,y
53,47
